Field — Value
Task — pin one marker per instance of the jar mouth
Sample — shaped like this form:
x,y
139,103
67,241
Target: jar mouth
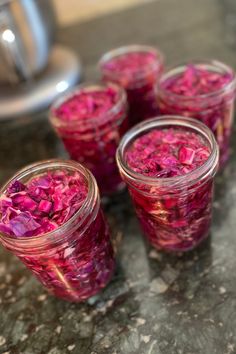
x,y
87,87
134,48
211,65
57,234
207,169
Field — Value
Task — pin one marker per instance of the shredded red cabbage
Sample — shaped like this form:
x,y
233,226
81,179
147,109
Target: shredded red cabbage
x,y
91,124
88,105
167,153
215,110
196,81
137,72
42,204
79,269
172,219
130,66
84,263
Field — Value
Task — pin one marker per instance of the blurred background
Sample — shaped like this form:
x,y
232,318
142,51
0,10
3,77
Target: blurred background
x,y
81,10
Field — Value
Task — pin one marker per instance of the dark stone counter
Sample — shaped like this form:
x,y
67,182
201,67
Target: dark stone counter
x,y
156,303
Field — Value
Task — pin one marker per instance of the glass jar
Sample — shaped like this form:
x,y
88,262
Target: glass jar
x,y
138,73
214,108
174,212
93,141
75,260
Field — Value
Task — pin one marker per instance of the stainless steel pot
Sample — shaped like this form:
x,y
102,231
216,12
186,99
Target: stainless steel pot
x,y
26,35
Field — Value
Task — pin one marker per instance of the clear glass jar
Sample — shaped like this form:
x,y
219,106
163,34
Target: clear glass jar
x,y
93,141
140,83
215,109
174,212
75,260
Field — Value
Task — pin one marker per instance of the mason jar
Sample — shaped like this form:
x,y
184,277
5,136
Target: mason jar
x,y
174,212
75,260
137,69
93,140
214,107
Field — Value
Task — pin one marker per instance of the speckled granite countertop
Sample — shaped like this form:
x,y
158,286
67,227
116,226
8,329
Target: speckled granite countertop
x,y
156,303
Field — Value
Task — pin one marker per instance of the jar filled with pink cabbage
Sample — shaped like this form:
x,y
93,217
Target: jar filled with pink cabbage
x,y
50,217
90,120
204,90
168,164
137,69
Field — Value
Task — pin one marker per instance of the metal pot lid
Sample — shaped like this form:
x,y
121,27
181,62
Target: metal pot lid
x,y
62,72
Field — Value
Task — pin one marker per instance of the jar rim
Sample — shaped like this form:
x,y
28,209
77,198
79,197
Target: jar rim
x,y
87,87
133,48
207,169
211,63
85,207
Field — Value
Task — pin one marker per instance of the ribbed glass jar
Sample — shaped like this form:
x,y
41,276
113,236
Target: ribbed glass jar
x,y
138,79
74,261
174,212
215,108
93,141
